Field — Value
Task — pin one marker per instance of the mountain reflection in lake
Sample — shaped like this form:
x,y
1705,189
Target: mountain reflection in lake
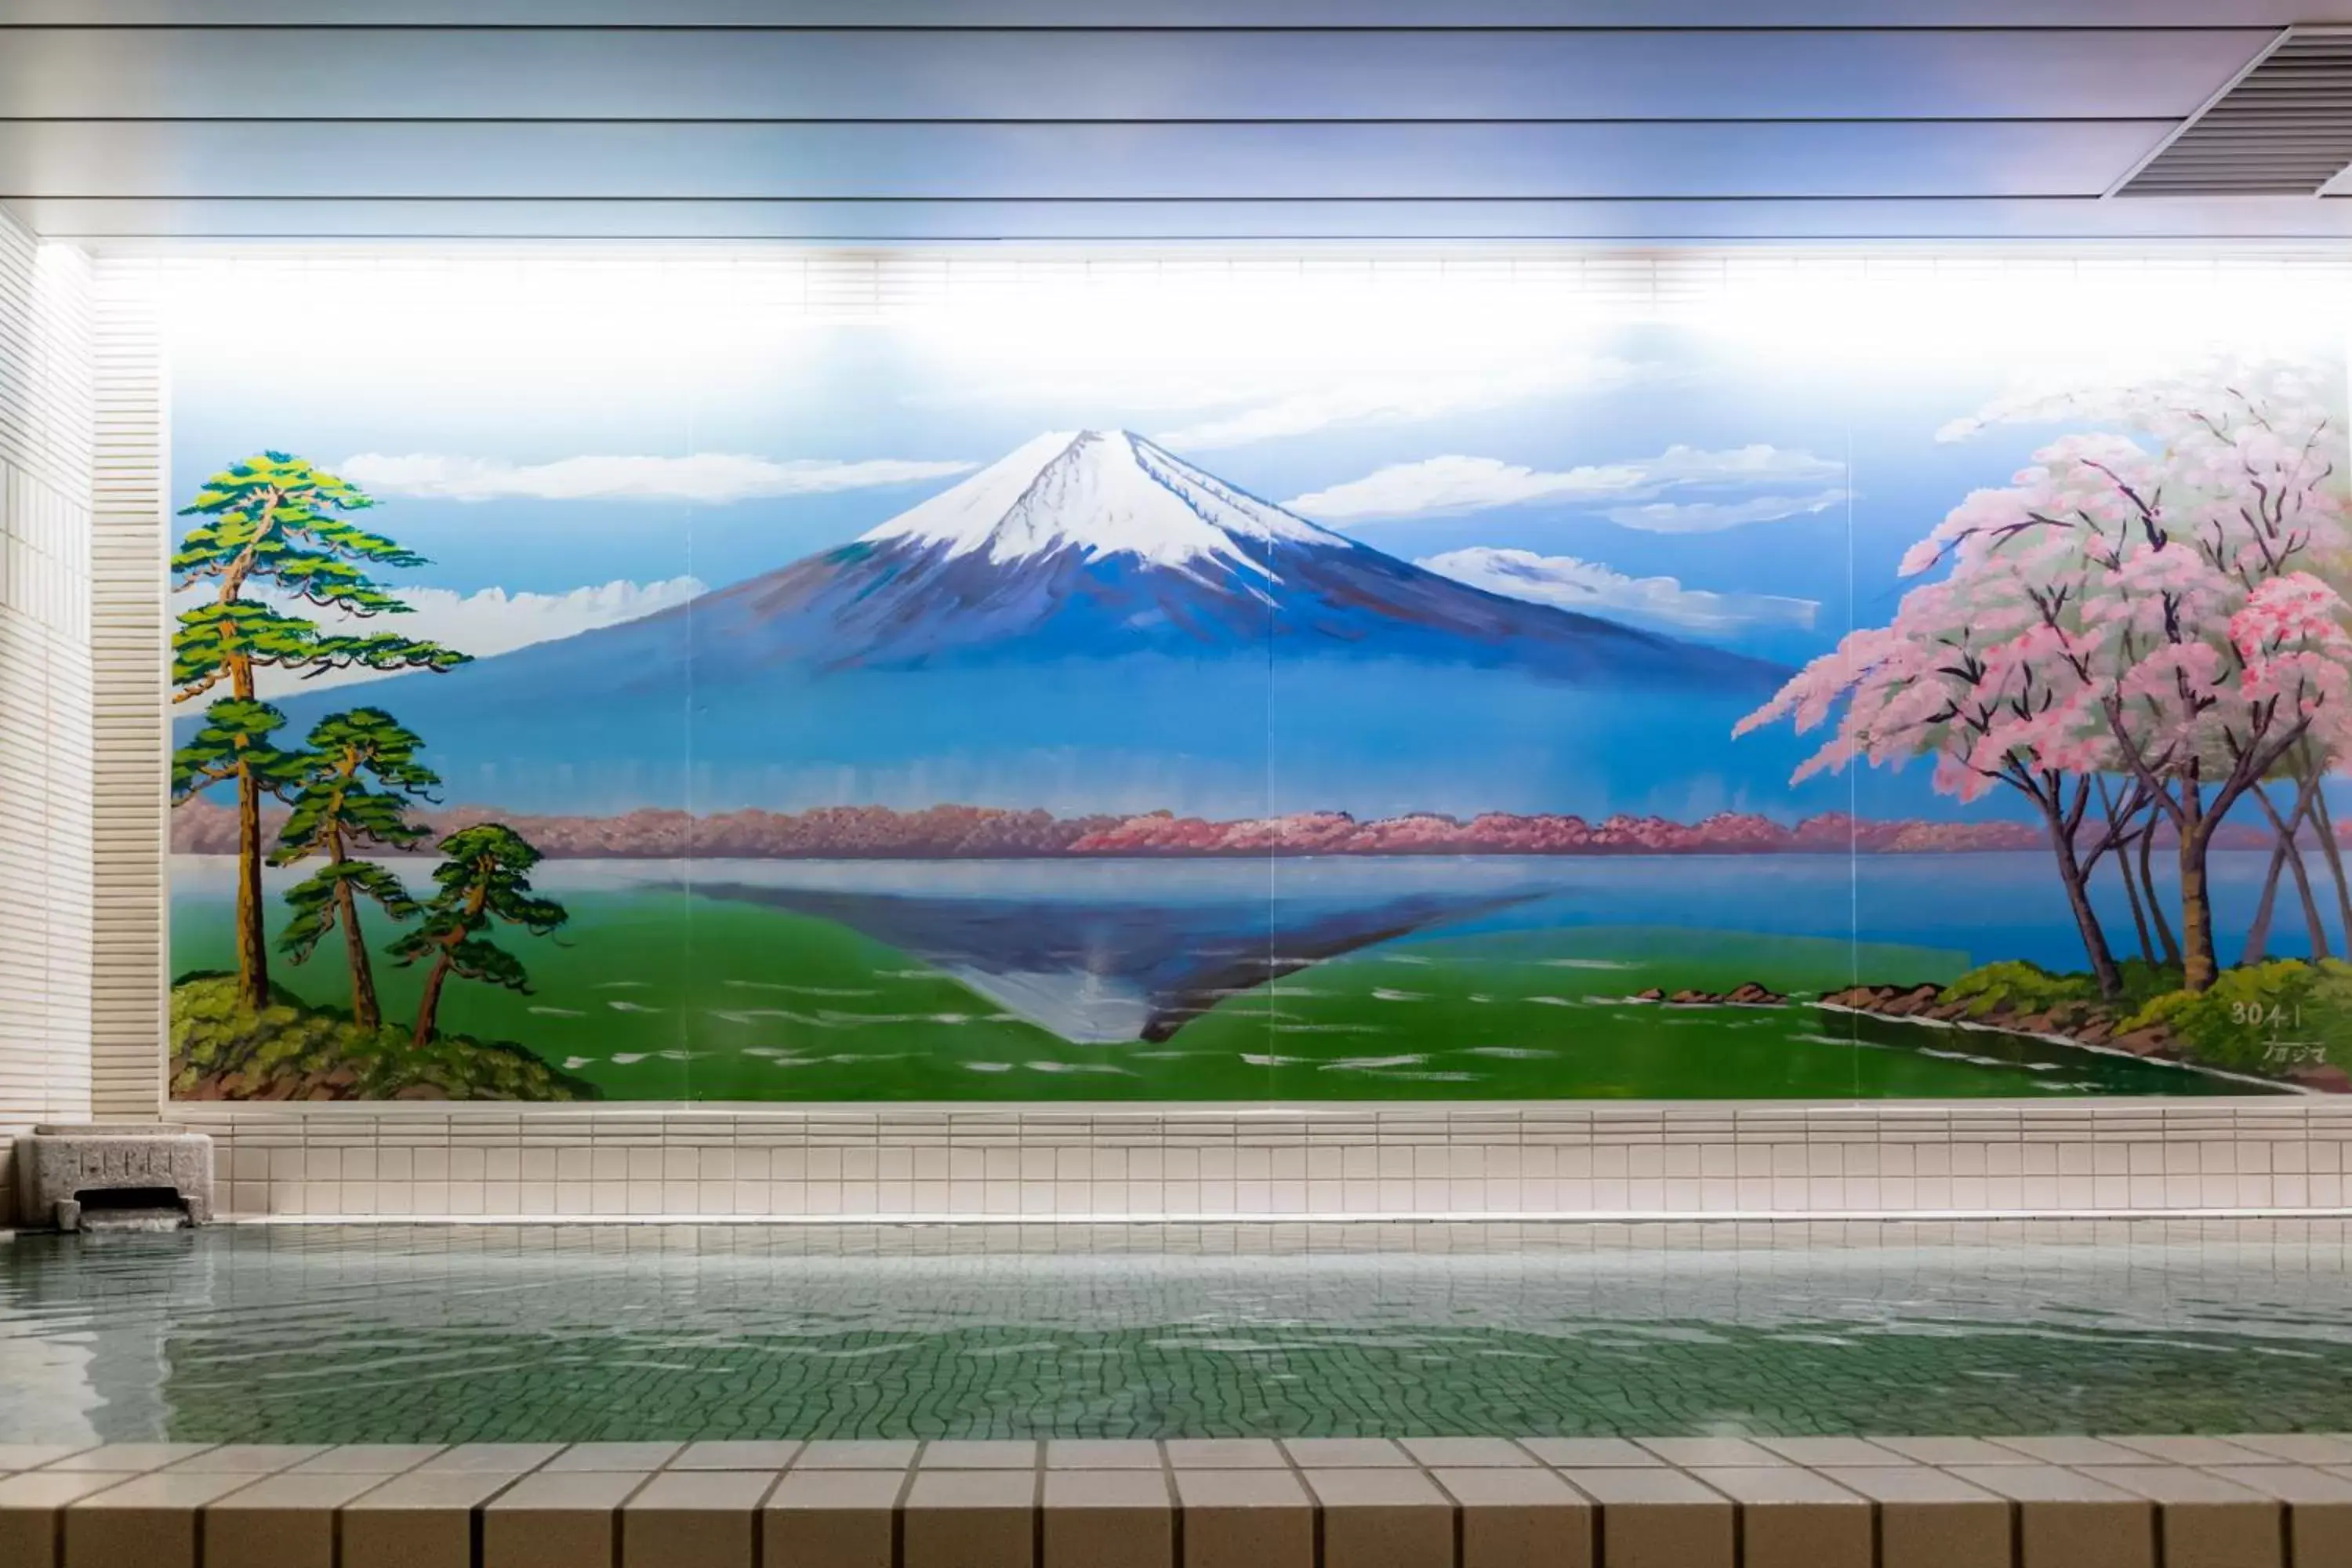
x,y
1131,950
1110,972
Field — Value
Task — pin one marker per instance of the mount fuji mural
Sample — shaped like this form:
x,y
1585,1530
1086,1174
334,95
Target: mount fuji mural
x,y
1093,623
1099,544
545,741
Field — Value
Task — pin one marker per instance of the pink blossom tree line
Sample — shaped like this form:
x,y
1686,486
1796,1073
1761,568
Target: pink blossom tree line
x,y
2144,621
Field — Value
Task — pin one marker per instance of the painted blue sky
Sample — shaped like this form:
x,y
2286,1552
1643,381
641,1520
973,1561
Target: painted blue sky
x,y
1750,483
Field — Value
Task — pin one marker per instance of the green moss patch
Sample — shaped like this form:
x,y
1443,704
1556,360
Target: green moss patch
x,y
2270,1019
224,1049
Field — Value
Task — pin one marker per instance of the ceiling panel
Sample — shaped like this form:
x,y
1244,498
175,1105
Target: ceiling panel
x,y
927,75
1071,161
1166,14
1108,120
1650,222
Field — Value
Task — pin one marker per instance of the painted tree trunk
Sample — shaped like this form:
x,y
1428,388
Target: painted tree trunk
x,y
2286,855
2131,896
2120,837
428,1007
365,1012
2198,968
252,942
2313,923
2078,899
2333,854
252,947
2168,945
2257,935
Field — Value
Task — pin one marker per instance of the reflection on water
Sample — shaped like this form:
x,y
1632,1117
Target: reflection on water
x,y
88,1364
553,1332
1118,970
1502,978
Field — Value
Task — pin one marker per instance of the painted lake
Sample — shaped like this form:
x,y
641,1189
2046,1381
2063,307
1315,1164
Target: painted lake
x,y
1425,977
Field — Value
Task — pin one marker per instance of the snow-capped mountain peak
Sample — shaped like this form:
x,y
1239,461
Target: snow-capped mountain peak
x,y
1099,492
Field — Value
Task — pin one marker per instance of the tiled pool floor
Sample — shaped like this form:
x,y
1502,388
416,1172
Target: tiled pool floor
x,y
395,1334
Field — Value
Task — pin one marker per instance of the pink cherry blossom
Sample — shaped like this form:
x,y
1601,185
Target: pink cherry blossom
x,y
2140,609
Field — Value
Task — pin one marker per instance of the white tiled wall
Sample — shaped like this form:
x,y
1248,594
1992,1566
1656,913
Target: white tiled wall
x,y
46,433
130,727
1068,1162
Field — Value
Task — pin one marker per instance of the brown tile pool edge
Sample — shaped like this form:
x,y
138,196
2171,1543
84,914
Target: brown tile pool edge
x,y
2253,1500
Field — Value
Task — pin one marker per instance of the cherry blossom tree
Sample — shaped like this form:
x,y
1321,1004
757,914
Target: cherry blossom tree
x,y
2298,663
1971,674
2140,615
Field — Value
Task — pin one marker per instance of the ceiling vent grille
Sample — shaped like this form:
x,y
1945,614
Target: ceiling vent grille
x,y
2284,128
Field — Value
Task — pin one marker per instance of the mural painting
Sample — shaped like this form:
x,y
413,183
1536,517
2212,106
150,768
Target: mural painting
x,y
1642,728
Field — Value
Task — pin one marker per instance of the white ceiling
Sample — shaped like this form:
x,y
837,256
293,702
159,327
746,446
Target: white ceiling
x,y
849,119
1164,16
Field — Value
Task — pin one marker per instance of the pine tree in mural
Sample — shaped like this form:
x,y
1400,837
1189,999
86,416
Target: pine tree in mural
x,y
272,542
237,740
352,788
484,881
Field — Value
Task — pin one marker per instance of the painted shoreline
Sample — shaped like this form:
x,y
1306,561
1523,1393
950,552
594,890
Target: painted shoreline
x,y
2272,1085
1753,996
950,832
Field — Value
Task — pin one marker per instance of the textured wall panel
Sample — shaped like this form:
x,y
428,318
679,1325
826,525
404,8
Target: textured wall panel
x,y
44,683
130,727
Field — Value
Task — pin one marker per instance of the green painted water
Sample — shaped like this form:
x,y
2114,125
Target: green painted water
x,y
656,994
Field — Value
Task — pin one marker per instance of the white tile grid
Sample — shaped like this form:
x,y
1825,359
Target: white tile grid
x,y
46,902
1009,1163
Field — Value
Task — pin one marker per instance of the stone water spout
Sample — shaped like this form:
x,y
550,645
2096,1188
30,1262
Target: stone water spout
x,y
115,1176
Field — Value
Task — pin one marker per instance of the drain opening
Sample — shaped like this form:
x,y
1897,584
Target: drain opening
x,y
108,1200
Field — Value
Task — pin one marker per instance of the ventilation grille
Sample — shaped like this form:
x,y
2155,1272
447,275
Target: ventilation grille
x,y
2283,129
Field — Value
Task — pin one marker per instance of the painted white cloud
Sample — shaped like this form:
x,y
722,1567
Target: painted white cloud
x,y
1714,517
709,478
1444,486
1451,485
1594,589
1393,399
493,621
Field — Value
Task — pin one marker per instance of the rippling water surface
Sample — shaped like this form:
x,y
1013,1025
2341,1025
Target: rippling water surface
x,y
552,1332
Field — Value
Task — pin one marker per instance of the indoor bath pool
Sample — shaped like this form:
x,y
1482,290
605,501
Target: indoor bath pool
x,y
420,1335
